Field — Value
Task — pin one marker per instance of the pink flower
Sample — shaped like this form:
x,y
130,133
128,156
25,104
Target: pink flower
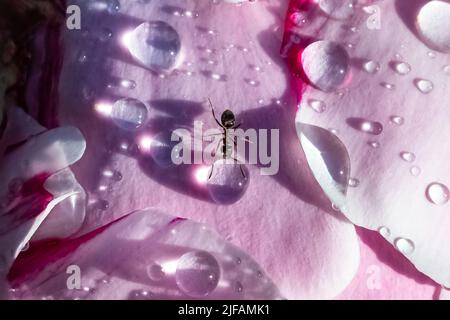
x,y
302,233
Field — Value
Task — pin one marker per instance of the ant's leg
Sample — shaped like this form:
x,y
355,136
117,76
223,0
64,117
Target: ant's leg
x,y
214,115
210,174
237,126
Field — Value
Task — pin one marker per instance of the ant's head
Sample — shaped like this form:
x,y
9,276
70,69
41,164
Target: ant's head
x,y
228,119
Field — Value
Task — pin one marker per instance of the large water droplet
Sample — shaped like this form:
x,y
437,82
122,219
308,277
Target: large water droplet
x,y
367,126
129,114
328,159
404,245
408,156
197,274
424,86
155,44
437,193
338,9
228,182
433,24
402,68
325,64
371,66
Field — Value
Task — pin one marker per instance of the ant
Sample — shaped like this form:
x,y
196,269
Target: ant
x,y
227,122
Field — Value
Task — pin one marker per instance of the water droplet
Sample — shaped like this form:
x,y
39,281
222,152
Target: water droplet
x,y
353,182
374,144
298,18
103,205
15,185
253,83
228,181
404,245
397,120
446,69
388,86
239,287
431,54
371,67
367,126
317,105
384,232
197,273
113,6
437,193
155,272
129,114
238,260
26,247
128,84
164,150
325,64
259,274
433,24
402,68
408,156
105,34
155,44
424,86
415,171
339,9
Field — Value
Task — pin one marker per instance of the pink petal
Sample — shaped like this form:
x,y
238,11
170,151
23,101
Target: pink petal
x,y
116,262
308,252
389,193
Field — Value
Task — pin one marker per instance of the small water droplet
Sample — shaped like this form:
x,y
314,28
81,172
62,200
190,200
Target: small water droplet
x,y
431,54
408,156
253,83
113,6
374,144
15,185
238,260
353,182
103,205
402,68
155,272
388,86
446,69
424,86
404,245
26,247
371,66
298,18
317,105
128,84
415,171
239,287
397,120
437,193
325,64
338,9
366,126
384,232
